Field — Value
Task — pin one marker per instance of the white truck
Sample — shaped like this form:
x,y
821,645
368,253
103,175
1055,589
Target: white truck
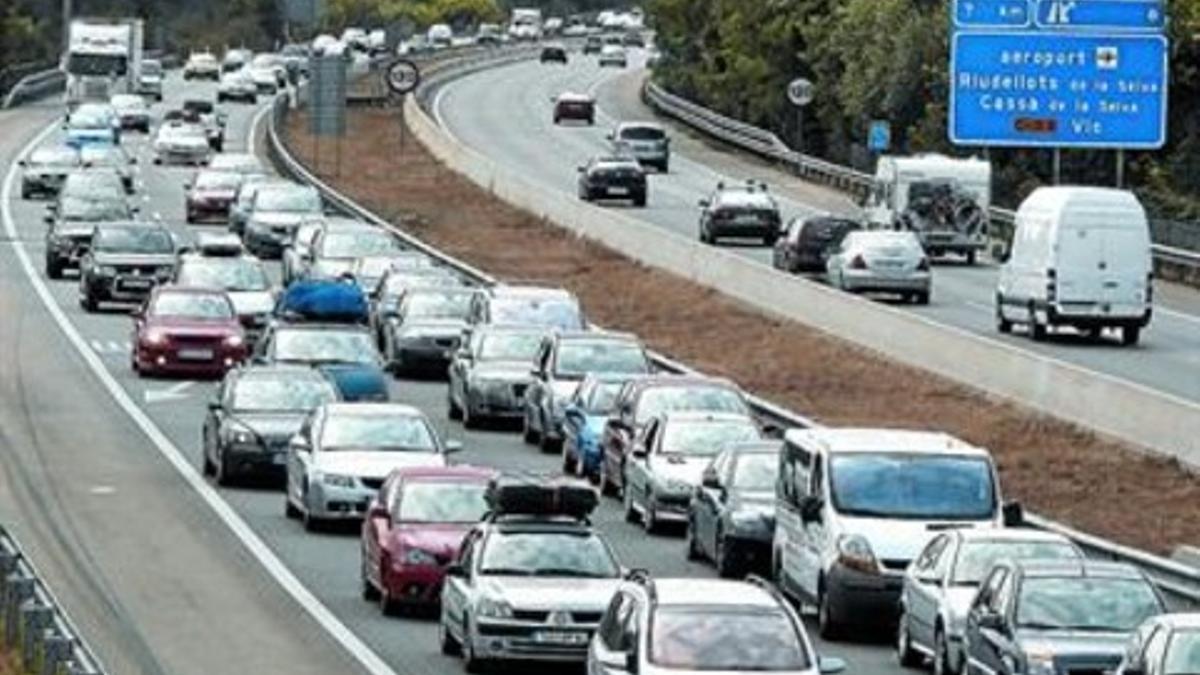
x,y
104,57
525,24
944,200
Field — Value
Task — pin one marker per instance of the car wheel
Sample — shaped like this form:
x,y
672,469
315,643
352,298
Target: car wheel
x,y
606,485
450,646
906,656
387,604
206,465
547,443
54,269
471,662
469,420
221,473
640,202
1037,329
1130,335
941,654
369,592
828,626
88,302
570,463
290,510
921,297
694,551
1003,325
725,561
649,514
527,431
631,514
453,411
971,256
311,522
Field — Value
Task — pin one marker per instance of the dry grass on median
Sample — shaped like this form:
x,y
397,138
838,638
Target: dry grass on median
x,y
1057,469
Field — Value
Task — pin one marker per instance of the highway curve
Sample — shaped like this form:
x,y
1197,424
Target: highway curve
x,y
121,530
505,113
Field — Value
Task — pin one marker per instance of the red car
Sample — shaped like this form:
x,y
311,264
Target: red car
x,y
413,530
187,331
209,196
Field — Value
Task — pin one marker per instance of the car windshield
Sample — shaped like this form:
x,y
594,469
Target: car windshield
x,y
217,180
54,157
437,305
1085,603
549,553
755,472
229,274
128,103
89,118
236,163
699,398
139,239
442,502
577,358
357,243
919,486
556,313
702,439
280,393
735,640
197,306
151,68
107,156
509,346
101,182
1183,653
400,433
602,398
325,346
976,557
288,200
643,134
93,210
180,131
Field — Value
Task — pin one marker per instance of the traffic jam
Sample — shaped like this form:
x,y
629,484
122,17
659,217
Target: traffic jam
x,y
303,318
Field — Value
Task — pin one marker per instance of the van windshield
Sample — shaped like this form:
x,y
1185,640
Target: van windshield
x,y
917,486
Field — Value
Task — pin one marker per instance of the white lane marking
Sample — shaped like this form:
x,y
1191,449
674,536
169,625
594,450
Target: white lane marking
x,y
1182,316
102,490
174,392
271,563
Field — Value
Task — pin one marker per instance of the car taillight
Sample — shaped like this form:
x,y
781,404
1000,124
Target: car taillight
x,y
858,263
923,266
1051,285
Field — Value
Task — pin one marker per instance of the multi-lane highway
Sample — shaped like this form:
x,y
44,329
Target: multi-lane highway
x,y
165,573
505,113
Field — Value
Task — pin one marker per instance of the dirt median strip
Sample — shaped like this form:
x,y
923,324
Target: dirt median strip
x,y
1059,470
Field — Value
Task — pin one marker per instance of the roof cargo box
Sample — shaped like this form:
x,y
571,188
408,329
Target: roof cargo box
x,y
538,495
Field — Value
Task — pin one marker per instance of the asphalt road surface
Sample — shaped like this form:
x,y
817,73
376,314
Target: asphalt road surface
x,y
505,113
152,559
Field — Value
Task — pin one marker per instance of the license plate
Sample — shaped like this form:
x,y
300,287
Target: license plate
x,y
196,354
139,284
746,220
618,191
560,638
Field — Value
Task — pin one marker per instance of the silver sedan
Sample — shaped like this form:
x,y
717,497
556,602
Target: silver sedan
x,y
881,261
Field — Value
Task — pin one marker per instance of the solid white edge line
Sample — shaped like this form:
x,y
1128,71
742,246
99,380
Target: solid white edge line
x,y
275,567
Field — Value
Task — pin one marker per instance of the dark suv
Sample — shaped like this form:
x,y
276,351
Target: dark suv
x,y
806,243
1056,617
613,178
69,228
124,263
742,211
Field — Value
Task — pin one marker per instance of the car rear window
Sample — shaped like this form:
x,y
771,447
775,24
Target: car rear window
x,y
643,134
735,640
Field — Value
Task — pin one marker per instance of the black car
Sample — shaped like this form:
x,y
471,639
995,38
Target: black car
x,y
806,243
1063,616
742,211
124,262
613,178
553,54
254,415
731,516
69,228
593,44
633,38
43,172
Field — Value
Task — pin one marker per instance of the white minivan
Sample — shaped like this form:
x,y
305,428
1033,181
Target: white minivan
x,y
1080,258
855,506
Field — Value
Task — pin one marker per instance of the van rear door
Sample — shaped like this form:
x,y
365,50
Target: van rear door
x,y
1126,269
1079,268
1102,270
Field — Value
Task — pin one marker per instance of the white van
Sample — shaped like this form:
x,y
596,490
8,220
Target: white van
x,y
855,506
1080,258
440,35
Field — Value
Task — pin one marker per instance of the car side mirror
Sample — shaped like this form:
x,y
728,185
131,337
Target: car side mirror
x,y
133,160
299,444
991,621
48,218
535,373
453,447
464,354
581,169
22,163
639,452
1014,514
710,480
378,511
456,570
631,662
810,509
829,665
137,313
703,203
214,404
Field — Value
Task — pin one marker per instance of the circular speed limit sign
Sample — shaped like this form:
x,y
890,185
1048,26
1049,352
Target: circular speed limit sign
x,y
403,76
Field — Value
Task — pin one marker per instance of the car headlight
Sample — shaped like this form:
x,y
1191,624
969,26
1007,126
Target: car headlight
x,y
337,480
105,270
854,552
416,556
240,435
155,337
234,341
165,271
1039,662
493,608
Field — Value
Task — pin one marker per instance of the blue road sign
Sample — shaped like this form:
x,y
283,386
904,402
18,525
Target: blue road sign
x,y
879,138
1060,90
992,13
1107,15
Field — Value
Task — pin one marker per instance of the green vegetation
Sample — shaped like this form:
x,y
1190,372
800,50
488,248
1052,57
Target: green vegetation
x,y
888,59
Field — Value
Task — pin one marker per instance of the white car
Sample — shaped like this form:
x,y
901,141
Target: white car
x,y
941,584
268,73
344,451
202,66
541,580
613,55
881,261
237,85
855,506
180,142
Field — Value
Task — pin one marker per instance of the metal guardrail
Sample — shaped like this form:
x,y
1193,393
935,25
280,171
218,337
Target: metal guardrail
x,y
33,625
1179,583
11,74
34,86
766,144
